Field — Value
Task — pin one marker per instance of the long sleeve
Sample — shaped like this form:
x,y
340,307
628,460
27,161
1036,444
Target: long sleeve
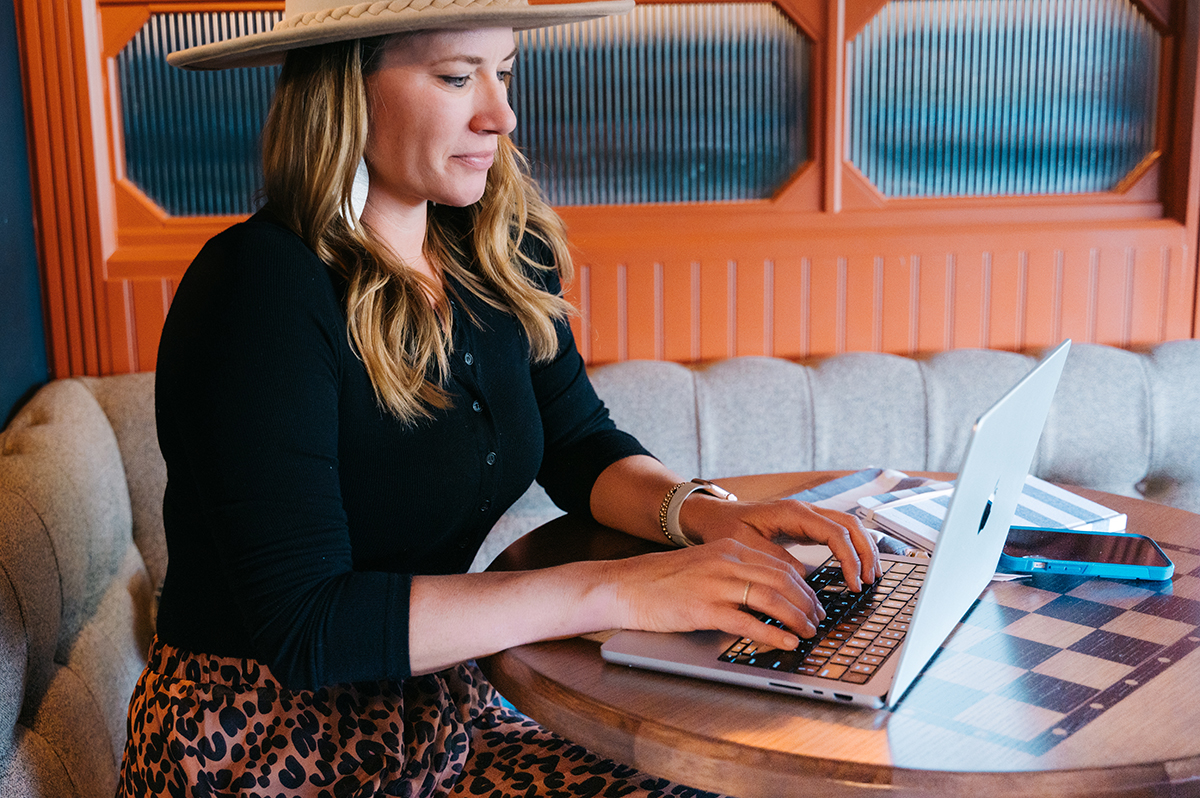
x,y
580,438
247,399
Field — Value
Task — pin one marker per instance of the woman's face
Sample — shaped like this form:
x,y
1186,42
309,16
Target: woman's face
x,y
437,106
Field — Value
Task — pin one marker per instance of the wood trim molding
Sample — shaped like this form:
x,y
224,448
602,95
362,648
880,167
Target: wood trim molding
x,y
59,41
1184,193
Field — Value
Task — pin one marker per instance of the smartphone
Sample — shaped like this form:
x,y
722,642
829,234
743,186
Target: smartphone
x,y
1116,555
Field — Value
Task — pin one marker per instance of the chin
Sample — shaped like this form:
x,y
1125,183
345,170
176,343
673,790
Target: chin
x,y
462,196
460,200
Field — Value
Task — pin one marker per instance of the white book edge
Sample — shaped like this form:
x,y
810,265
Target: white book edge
x,y
923,536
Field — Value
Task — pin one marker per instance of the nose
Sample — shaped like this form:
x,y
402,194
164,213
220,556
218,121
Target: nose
x,y
494,114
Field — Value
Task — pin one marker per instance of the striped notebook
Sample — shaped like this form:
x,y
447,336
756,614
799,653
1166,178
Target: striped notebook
x,y
915,514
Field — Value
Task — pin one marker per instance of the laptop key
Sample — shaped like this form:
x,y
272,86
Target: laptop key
x,y
831,671
856,678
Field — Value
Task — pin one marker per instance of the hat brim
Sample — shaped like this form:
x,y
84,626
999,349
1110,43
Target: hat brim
x,y
264,49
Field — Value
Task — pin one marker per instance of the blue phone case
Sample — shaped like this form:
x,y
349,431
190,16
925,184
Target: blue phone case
x,y
1034,564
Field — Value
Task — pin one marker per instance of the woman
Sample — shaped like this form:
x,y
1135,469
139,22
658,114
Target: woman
x,y
349,397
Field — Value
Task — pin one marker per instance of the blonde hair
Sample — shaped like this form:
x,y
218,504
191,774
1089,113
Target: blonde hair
x,y
312,143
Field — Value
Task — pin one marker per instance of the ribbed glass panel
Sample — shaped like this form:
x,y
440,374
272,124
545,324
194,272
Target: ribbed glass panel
x,y
1002,97
192,138
670,103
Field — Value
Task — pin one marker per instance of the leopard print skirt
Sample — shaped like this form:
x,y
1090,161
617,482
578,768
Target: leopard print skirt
x,y
202,726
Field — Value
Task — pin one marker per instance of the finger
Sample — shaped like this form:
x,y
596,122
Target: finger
x,y
865,563
787,577
804,522
743,624
840,541
778,607
867,547
783,596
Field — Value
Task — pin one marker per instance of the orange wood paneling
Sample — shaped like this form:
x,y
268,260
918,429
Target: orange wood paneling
x,y
140,308
1182,189
681,335
827,265
123,329
751,307
898,278
56,40
791,288
837,291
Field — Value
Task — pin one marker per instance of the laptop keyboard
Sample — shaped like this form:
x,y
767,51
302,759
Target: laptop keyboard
x,y
859,633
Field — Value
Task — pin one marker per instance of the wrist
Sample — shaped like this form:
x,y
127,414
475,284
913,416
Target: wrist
x,y
700,515
673,527
605,599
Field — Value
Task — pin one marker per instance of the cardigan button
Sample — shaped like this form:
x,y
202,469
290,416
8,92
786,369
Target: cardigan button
x,y
468,358
491,458
478,408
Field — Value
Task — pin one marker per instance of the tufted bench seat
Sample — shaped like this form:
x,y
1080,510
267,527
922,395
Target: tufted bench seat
x,y
81,485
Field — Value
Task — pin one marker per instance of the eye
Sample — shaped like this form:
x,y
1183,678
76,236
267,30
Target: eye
x,y
506,77
457,81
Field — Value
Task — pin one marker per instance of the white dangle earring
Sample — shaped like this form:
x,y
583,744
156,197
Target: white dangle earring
x,y
358,192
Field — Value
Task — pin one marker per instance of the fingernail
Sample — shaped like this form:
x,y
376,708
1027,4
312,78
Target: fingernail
x,y
792,642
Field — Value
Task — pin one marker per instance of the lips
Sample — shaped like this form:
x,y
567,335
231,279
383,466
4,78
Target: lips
x,y
476,160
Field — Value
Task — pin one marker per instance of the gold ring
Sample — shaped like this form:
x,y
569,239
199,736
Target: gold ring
x,y
745,596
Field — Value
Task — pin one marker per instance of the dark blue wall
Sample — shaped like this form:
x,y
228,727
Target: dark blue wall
x,y
23,365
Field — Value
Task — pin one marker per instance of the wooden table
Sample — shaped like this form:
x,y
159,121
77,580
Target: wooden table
x,y
1054,686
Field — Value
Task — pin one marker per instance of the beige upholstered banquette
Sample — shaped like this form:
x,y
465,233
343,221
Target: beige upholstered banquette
x,y
81,484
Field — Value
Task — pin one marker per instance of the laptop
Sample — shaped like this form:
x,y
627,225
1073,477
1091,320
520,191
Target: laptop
x,y
873,645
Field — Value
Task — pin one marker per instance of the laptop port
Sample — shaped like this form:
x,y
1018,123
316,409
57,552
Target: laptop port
x,y
787,687
843,697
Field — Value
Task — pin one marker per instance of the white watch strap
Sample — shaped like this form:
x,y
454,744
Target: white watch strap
x,y
673,529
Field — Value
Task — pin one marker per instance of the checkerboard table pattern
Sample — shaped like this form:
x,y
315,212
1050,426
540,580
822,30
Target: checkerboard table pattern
x,y
1035,661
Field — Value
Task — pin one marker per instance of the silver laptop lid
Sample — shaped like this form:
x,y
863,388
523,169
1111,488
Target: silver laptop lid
x,y
999,454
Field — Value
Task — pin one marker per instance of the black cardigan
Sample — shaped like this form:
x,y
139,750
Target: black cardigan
x,y
297,510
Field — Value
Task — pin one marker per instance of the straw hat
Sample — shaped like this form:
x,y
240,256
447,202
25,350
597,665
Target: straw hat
x,y
309,22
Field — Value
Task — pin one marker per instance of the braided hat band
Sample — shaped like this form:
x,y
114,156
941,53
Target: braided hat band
x,y
369,10
310,22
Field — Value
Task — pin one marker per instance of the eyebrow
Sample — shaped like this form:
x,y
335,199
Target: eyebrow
x,y
473,60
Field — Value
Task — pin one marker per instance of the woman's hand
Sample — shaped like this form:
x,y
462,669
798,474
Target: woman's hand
x,y
768,526
712,587
740,565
